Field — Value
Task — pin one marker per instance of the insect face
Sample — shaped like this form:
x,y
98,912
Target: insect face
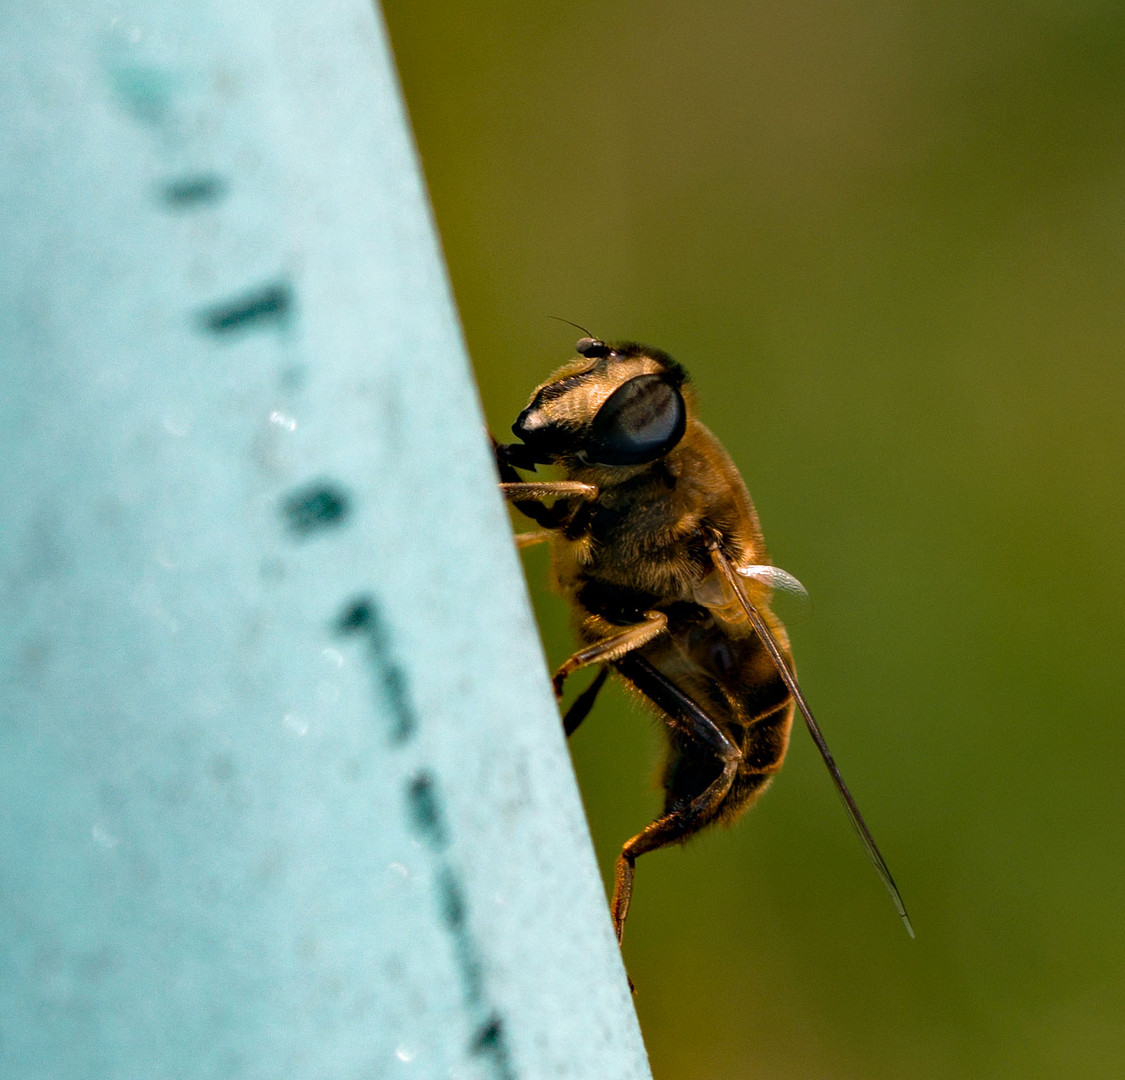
x,y
613,406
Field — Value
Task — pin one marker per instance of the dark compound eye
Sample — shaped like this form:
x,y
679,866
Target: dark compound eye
x,y
641,421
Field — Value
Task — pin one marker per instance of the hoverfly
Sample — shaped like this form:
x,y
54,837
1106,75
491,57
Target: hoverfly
x,y
657,547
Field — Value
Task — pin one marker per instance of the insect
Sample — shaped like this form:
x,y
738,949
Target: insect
x,y
657,547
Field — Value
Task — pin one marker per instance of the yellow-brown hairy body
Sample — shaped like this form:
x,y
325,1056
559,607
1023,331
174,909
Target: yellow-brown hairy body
x,y
658,550
641,538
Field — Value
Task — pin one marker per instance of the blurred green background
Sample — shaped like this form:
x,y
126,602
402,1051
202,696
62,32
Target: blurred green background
x,y
888,241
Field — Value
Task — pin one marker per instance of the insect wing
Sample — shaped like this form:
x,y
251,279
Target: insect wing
x,y
723,565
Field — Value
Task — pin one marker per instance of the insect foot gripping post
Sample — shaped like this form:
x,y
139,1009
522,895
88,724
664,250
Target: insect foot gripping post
x,y
657,548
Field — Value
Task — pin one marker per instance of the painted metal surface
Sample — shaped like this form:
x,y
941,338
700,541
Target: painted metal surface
x,y
282,788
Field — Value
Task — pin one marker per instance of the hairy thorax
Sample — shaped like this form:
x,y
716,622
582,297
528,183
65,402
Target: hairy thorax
x,y
640,545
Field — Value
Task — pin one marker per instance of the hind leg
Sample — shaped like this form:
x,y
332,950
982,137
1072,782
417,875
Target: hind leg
x,y
669,828
717,761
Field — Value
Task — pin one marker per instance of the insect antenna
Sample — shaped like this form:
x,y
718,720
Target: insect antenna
x,y
854,816
558,318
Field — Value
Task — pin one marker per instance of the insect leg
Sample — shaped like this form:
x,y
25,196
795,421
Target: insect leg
x,y
539,489
686,714
582,704
612,648
530,539
683,820
668,829
527,496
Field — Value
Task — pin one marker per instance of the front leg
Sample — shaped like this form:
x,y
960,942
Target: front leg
x,y
527,499
527,496
539,489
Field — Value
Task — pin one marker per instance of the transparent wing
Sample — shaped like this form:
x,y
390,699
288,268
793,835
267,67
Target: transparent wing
x,y
732,574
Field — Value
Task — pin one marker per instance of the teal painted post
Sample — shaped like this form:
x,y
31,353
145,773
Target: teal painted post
x,y
283,792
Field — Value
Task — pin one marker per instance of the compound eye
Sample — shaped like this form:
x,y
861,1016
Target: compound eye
x,y
641,421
